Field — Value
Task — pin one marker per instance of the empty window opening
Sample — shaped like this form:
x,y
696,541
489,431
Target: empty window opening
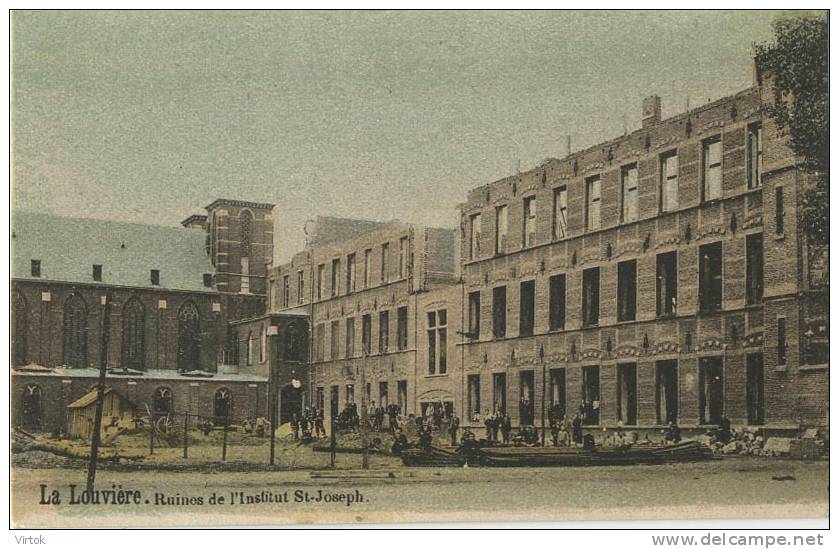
x,y
591,395
710,390
666,392
556,307
710,277
591,296
627,394
627,290
527,297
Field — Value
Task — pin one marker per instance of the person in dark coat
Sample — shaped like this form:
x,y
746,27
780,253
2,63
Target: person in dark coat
x,y
577,429
488,424
392,413
295,426
453,427
674,434
506,428
495,424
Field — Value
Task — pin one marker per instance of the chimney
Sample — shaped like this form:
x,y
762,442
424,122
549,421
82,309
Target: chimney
x,y
651,111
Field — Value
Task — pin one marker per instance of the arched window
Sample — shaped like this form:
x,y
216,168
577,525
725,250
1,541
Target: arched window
x,y
222,406
189,338
31,408
263,344
161,402
133,335
75,332
231,348
250,349
19,326
245,228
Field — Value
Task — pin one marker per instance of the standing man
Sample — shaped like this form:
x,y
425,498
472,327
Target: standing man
x,y
454,425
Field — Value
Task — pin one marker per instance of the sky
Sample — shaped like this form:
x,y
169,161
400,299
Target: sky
x,y
149,116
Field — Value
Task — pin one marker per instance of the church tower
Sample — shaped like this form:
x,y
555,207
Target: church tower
x,y
240,243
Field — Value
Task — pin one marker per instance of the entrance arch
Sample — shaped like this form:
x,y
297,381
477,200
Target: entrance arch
x,y
222,406
291,401
32,409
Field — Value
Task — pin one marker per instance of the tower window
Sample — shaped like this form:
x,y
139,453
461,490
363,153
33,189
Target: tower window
x,y
35,268
97,273
154,277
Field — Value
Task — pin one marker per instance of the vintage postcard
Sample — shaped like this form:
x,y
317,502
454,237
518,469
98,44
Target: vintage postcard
x,y
374,267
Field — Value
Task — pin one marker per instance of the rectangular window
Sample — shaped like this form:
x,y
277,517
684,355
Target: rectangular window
x,y
245,284
474,315
473,395
501,227
499,312
402,328
591,296
712,169
350,273
754,268
366,334
754,389
782,341
384,331
154,278
350,342
475,236
437,342
321,280
432,343
385,261
527,306
710,277
367,255
557,395
402,395
560,217
627,400
629,186
666,392
300,287
499,393
556,307
403,257
208,280
350,394
593,202
333,340
527,398
627,290
35,268
285,291
669,182
383,394
754,154
779,210
710,390
97,275
319,398
336,270
528,234
591,395
320,342
665,284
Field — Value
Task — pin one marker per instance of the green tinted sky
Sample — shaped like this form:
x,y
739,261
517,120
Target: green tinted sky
x,y
150,116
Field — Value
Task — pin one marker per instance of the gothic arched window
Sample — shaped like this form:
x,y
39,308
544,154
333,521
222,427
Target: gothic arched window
x,y
133,335
75,332
31,407
19,326
161,403
245,228
263,344
222,406
189,338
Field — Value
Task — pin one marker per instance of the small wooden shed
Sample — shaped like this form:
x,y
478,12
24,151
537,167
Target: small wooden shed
x,y
117,412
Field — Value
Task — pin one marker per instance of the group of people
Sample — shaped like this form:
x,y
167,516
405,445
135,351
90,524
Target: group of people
x,y
308,425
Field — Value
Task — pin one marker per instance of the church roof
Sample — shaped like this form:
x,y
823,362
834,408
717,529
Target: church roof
x,y
68,247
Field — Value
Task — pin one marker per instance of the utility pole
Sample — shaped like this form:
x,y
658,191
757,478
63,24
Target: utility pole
x,y
100,393
365,449
272,387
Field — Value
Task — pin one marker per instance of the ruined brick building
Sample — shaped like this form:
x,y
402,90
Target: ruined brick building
x,y
658,277
173,291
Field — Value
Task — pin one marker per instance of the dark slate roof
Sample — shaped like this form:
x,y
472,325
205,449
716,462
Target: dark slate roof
x,y
68,248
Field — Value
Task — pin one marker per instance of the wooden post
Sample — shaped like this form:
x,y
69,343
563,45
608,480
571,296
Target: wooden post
x,y
151,433
365,447
224,437
542,360
273,394
186,434
100,394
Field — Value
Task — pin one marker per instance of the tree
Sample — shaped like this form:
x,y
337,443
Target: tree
x,y
798,65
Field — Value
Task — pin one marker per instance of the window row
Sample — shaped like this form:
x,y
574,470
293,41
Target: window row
x,y
384,339
383,400
710,283
668,193
96,274
560,401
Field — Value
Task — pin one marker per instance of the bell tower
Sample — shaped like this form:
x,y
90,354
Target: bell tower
x,y
240,243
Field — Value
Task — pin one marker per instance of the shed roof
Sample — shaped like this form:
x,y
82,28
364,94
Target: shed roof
x,y
90,398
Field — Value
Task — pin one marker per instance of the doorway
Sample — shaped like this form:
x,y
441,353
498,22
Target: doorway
x,y
754,389
710,390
